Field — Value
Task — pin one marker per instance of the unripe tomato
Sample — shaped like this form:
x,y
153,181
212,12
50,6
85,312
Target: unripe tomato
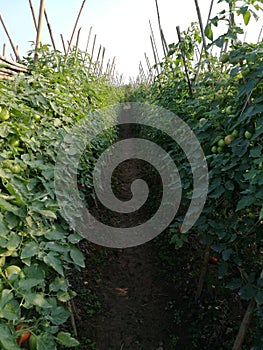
x,y
214,149
32,343
224,58
235,133
4,115
248,135
221,143
229,139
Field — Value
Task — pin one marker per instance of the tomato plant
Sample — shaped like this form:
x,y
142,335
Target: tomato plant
x,y
37,246
225,112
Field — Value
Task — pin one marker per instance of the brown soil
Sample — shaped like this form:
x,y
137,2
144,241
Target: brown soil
x,y
143,298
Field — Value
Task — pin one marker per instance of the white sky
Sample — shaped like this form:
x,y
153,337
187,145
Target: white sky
x,y
122,26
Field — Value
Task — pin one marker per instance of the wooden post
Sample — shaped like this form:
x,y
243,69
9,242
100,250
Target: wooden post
x,y
203,272
202,32
63,44
102,61
9,38
86,51
244,325
77,41
33,13
154,42
200,56
154,55
39,29
184,60
74,29
97,60
165,47
50,30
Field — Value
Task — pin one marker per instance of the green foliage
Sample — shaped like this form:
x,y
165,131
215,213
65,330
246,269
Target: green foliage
x,y
225,114
41,109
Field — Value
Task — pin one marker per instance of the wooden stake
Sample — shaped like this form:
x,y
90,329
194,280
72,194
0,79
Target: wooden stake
x,y
33,14
203,272
86,51
200,57
4,49
97,60
154,42
74,29
244,325
39,29
50,30
202,32
102,61
63,44
154,55
161,32
77,41
9,38
185,64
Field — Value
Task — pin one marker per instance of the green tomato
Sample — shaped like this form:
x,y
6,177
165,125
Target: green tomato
x,y
4,115
15,142
219,149
214,149
248,135
32,343
36,117
12,272
221,143
224,58
16,169
235,133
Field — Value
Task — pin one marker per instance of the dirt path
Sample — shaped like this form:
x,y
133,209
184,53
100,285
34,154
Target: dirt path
x,y
123,294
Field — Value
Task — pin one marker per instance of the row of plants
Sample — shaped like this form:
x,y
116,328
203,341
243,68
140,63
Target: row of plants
x,y
37,246
223,105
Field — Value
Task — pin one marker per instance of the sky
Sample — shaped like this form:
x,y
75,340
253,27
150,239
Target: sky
x,y
121,26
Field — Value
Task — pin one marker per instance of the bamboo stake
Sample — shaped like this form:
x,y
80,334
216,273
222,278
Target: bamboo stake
x,y
12,63
4,49
93,47
86,50
200,57
203,272
112,65
50,30
202,32
185,64
154,42
33,14
77,41
9,38
102,61
107,67
259,36
74,29
39,29
160,29
154,55
63,44
97,60
244,325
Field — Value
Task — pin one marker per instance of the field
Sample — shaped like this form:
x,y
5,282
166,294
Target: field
x,y
200,288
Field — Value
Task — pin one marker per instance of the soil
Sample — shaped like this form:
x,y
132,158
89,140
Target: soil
x,y
143,298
